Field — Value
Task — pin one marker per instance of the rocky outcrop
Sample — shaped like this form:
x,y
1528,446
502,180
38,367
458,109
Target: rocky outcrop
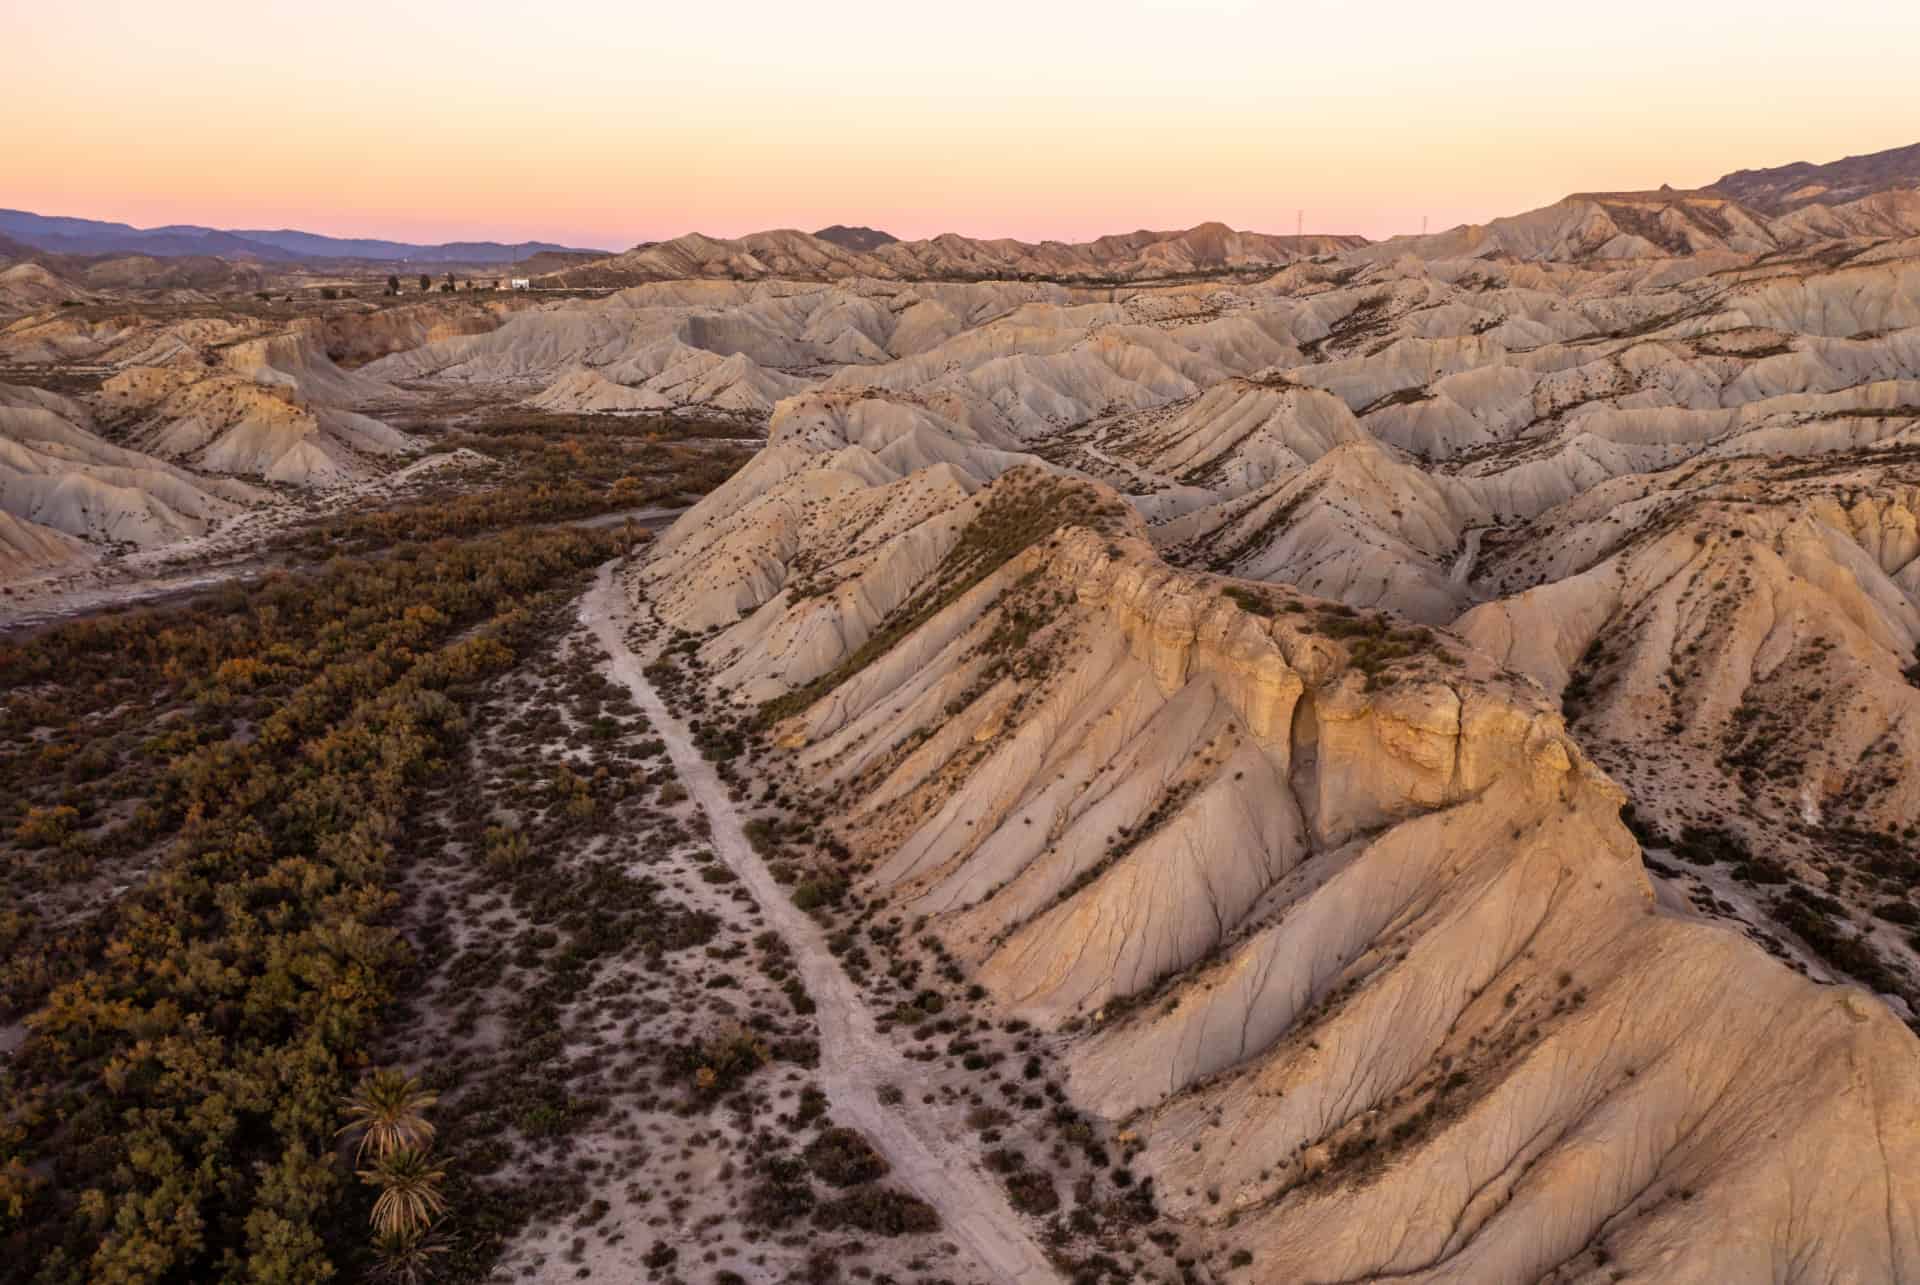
x,y
275,408
1344,928
61,484
1245,679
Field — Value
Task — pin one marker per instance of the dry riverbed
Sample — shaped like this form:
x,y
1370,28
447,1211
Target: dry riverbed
x,y
634,1066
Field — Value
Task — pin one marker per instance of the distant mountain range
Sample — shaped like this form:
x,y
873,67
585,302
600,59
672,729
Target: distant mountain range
x,y
93,236
1745,211
1789,187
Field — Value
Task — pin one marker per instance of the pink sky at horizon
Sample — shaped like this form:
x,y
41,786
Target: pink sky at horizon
x,y
604,124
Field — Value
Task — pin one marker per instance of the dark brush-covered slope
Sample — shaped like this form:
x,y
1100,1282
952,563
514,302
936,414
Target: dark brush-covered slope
x,y
856,238
1788,187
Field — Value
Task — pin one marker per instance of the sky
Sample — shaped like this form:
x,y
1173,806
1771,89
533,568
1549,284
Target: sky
x,y
605,124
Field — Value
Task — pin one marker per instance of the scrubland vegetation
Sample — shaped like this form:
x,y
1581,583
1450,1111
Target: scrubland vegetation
x,y
212,825
625,1054
358,927
549,468
207,813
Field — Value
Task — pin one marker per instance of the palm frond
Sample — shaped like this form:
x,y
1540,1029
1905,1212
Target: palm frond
x,y
410,1196
387,1109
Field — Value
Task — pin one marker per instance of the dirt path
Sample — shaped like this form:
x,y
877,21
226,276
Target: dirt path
x,y
854,1058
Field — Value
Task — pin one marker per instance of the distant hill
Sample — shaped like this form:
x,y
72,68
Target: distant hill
x,y
857,238
1209,249
309,245
1789,187
90,236
13,250
93,236
546,261
1600,225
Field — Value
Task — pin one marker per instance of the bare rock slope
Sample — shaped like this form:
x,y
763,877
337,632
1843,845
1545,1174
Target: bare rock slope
x,y
1347,926
1431,731
847,253
62,485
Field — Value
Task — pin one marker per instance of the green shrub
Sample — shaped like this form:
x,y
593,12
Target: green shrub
x,y
841,1157
1032,1192
1248,600
881,1211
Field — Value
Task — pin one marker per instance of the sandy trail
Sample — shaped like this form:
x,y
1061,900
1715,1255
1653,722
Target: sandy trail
x,y
854,1058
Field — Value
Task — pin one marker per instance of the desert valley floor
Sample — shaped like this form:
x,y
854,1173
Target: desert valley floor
x,y
1192,757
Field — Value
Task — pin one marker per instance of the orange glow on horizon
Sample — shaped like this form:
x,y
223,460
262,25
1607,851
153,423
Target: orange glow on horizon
x,y
603,125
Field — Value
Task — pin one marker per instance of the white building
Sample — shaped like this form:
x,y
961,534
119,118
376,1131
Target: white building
x,y
521,283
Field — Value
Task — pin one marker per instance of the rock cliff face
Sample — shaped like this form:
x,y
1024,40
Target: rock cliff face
x,y
275,407
353,339
1336,918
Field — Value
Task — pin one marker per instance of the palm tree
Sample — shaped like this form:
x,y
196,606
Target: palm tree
x,y
406,1257
387,1108
410,1196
